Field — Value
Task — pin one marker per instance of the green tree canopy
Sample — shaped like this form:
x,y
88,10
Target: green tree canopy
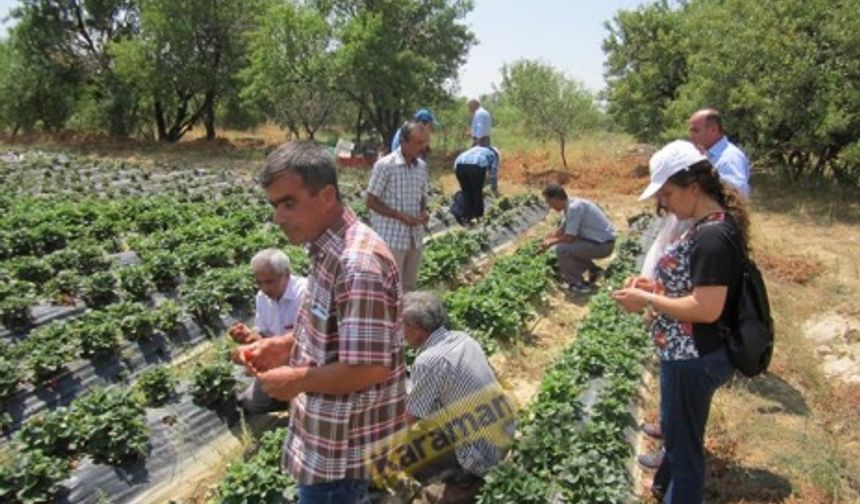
x,y
551,104
290,73
393,56
785,74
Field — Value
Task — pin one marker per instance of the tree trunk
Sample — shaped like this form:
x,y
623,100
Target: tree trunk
x,y
563,158
209,115
358,127
161,127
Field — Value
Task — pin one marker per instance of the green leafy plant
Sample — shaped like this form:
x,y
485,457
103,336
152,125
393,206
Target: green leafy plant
x,y
31,477
65,283
48,349
157,385
99,289
168,317
135,282
164,270
15,312
97,333
563,452
134,320
213,384
443,257
10,376
54,433
111,425
259,477
33,270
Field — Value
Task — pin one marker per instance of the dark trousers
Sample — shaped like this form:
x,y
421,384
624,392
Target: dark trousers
x,y
345,491
686,390
471,178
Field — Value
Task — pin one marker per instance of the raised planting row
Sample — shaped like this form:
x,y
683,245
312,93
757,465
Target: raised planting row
x,y
574,440
108,432
36,172
497,307
126,336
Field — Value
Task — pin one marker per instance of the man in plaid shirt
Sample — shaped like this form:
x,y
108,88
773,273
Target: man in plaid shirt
x,y
342,368
397,197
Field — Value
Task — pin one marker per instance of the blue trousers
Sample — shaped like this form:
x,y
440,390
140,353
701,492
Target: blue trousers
x,y
346,491
686,390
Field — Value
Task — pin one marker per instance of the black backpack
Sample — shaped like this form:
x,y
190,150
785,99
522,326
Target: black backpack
x,y
750,341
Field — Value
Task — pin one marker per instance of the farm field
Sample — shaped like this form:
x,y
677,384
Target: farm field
x,y
120,272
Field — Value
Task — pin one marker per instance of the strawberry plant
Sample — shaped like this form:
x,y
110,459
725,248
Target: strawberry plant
x,y
65,284
444,256
135,282
15,312
48,349
564,453
31,477
498,306
10,376
204,304
168,317
99,289
213,384
111,425
65,259
53,433
92,258
164,270
157,385
258,478
97,333
32,269
134,320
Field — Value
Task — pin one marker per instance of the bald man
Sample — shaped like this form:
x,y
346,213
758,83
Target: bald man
x,y
705,129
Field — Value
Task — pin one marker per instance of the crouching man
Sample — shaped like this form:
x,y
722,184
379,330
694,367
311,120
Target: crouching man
x,y
455,391
276,309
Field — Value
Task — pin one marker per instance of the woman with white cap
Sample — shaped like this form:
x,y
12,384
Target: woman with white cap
x,y
693,295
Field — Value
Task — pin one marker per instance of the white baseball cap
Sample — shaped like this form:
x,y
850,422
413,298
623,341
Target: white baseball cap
x,y
674,157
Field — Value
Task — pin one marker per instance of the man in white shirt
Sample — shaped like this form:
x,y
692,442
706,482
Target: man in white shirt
x,y
277,307
482,123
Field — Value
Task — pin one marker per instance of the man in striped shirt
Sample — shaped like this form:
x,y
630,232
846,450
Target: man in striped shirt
x,y
397,198
454,385
342,368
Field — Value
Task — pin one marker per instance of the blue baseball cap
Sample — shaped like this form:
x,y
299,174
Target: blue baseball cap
x,y
425,116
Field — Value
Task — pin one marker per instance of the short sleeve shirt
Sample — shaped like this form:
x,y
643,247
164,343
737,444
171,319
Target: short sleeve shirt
x,y
584,219
402,187
350,314
450,369
732,165
275,317
482,123
708,254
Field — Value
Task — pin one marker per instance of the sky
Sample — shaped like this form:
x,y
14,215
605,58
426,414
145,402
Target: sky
x,y
567,34
564,33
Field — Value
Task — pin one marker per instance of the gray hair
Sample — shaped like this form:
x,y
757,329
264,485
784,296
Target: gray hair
x,y
424,309
409,128
271,259
308,159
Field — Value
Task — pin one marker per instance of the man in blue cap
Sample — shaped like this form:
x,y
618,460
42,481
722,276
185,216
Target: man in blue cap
x,y
423,116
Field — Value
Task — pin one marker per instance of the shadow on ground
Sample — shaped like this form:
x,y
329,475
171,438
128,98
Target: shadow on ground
x,y
773,388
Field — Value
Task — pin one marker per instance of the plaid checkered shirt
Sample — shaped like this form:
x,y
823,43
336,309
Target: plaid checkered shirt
x,y
350,314
402,187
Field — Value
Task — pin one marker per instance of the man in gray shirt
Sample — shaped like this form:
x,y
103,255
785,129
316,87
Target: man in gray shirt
x,y
454,392
585,234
